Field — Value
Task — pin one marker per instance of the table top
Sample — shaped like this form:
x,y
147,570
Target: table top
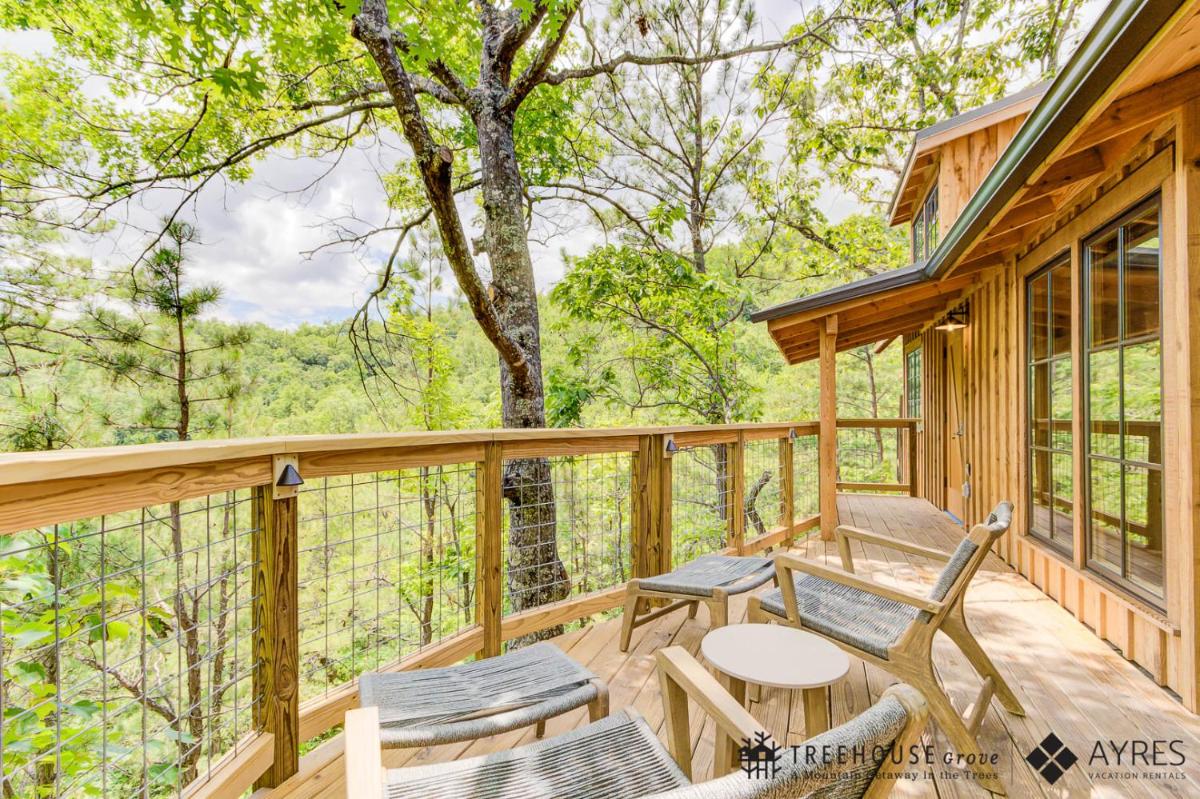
x,y
775,656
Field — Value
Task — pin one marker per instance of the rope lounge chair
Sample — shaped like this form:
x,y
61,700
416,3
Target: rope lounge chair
x,y
621,757
893,628
711,579
481,698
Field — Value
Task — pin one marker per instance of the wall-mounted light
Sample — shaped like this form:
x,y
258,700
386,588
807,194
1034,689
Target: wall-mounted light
x,y
955,320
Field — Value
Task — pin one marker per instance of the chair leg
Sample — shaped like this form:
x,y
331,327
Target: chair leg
x,y
718,609
692,608
632,600
955,626
540,732
598,707
952,724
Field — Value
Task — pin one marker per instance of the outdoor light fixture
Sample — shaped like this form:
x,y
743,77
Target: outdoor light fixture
x,y
671,446
290,477
955,320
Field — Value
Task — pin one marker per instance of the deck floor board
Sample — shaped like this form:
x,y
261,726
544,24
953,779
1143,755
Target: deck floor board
x,y
1071,682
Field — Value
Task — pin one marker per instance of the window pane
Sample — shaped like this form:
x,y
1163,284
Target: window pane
x,y
1060,311
1143,403
1106,514
1039,302
1039,404
1143,527
919,236
1039,491
1141,274
1103,276
1104,402
1060,404
1063,481
931,220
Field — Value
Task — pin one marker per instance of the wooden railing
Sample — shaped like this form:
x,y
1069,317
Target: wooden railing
x,y
196,619
877,455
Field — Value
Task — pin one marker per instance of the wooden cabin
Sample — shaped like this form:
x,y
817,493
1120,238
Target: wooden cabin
x,y
1051,330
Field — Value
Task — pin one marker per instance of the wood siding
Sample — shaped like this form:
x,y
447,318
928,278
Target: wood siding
x,y
1162,641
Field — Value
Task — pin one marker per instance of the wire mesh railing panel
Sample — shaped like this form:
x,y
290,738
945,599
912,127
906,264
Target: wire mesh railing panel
x,y
870,455
127,650
806,476
764,478
701,498
386,567
566,527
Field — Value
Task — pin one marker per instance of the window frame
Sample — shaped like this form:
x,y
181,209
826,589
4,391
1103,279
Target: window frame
x,y
926,219
917,354
1045,271
1117,224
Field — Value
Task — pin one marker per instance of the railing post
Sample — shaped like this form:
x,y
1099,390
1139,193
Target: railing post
x,y
787,488
912,459
277,621
489,598
828,420
737,498
651,506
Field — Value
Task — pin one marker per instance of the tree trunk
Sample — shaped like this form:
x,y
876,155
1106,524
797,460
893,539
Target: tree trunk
x,y
536,574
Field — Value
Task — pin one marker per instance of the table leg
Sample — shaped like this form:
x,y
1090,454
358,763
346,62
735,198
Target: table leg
x,y
727,748
816,711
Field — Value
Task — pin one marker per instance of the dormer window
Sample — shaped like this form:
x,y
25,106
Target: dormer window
x,y
925,226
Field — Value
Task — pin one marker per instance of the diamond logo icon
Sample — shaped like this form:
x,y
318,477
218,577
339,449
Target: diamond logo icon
x,y
1051,758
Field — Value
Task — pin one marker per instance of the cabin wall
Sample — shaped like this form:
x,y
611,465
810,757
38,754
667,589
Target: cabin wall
x,y
1163,641
965,162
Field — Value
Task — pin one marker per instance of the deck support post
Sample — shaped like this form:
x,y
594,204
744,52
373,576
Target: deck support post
x,y
277,628
912,458
652,506
737,494
828,432
787,488
489,597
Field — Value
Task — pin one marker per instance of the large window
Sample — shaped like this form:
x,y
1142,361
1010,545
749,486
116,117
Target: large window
x,y
912,382
1124,401
1051,467
925,226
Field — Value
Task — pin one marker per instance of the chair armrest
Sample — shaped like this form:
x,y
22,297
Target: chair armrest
x,y
364,754
844,532
682,677
786,564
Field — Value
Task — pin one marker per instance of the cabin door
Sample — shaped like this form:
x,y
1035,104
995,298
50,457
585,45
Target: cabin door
x,y
956,424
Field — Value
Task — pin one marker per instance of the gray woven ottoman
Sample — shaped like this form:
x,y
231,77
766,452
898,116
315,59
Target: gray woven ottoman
x,y
480,698
710,579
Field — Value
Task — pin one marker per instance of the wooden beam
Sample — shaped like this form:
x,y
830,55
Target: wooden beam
x,y
489,594
1139,108
787,487
828,436
1022,215
880,302
276,644
737,496
1066,172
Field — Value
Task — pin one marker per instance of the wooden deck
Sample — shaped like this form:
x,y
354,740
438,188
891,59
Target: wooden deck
x,y
1070,682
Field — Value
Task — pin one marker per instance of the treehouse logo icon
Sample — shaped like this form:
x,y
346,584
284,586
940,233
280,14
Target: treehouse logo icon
x,y
1051,758
759,758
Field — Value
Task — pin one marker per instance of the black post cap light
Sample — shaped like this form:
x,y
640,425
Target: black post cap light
x,y
289,477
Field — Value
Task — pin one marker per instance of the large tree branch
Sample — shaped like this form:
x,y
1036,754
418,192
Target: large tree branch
x,y
613,64
435,164
535,73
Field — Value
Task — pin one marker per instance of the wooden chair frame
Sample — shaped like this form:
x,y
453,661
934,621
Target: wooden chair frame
x,y
910,658
637,598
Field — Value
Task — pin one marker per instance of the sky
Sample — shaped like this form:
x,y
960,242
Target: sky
x,y
262,240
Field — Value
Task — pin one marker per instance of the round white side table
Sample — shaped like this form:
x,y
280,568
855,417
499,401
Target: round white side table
x,y
778,657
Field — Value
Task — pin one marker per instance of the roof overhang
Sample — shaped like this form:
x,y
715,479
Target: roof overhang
x,y
1085,116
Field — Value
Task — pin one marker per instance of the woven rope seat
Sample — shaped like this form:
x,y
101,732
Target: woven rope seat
x,y
703,575
621,758
477,699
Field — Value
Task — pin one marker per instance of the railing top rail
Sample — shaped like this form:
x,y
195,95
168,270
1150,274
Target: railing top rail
x,y
34,467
